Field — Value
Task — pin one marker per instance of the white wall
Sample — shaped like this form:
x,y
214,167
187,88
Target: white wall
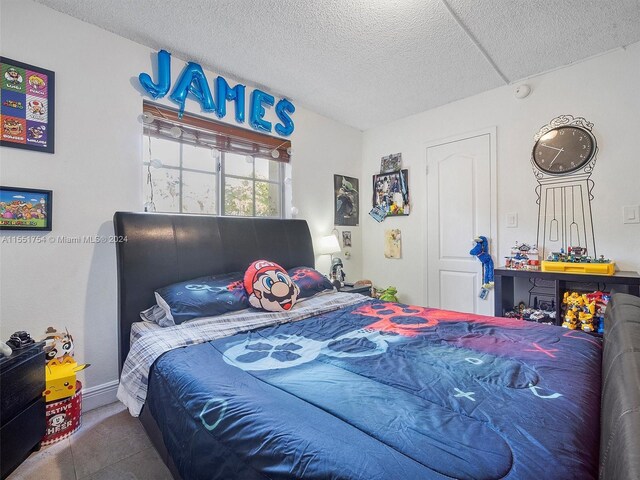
x,y
96,171
604,90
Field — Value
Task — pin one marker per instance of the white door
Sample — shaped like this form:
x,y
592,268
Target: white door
x,y
460,206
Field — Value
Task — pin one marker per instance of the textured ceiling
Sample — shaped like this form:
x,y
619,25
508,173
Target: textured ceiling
x,y
368,62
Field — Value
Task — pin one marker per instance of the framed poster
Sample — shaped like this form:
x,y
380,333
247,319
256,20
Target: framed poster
x,y
25,209
391,193
26,106
346,200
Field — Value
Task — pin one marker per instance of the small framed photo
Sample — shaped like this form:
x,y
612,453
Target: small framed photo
x,y
391,163
346,238
27,106
25,209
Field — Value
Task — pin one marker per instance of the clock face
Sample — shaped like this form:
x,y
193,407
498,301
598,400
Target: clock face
x,y
564,150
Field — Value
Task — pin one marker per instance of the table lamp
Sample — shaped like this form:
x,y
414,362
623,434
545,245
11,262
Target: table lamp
x,y
328,246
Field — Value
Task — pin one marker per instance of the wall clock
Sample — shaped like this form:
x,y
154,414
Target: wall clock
x,y
564,149
563,157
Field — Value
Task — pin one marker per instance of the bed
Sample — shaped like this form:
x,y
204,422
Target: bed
x,y
343,386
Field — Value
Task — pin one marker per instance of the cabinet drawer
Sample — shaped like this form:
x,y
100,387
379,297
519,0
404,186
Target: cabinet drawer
x,y
20,435
20,385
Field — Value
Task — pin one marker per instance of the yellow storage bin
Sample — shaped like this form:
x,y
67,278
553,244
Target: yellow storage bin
x,y
586,268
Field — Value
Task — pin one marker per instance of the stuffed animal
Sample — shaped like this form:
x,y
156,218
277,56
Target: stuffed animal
x,y
389,295
481,250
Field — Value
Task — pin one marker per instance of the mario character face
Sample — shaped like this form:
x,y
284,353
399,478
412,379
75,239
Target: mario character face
x,y
269,287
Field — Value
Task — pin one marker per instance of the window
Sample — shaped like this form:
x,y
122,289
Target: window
x,y
200,169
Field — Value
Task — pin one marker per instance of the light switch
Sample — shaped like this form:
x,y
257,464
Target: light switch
x,y
512,220
631,214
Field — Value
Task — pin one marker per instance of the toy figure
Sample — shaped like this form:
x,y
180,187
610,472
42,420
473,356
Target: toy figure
x,y
586,319
61,378
481,250
337,275
269,287
389,295
58,345
570,320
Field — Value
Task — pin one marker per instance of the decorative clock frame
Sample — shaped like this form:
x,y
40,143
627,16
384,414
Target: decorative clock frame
x,y
564,199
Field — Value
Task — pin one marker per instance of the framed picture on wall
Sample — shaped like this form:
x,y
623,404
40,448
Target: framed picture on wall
x,y
27,107
391,163
391,193
346,200
25,209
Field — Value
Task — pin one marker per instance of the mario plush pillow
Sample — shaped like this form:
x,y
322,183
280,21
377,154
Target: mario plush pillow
x,y
202,297
309,280
269,287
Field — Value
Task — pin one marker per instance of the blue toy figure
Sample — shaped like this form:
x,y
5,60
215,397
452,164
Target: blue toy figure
x,y
481,250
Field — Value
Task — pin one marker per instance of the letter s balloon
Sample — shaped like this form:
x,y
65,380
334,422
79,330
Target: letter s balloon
x,y
283,110
160,89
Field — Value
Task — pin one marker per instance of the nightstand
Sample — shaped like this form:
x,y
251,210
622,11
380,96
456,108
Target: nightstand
x,y
22,406
349,288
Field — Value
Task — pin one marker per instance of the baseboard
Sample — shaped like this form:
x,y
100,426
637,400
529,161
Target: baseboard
x,y
99,395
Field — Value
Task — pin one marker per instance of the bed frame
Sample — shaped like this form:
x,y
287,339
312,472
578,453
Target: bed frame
x,y
161,249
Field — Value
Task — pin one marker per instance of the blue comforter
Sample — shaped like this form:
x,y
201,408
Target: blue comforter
x,y
383,391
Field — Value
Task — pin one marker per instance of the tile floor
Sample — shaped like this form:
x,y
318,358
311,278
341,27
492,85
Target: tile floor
x,y
110,444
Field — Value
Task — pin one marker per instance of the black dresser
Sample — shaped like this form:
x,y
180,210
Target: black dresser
x,y
22,406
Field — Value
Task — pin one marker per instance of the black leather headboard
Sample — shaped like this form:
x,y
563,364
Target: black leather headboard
x,y
161,249
620,414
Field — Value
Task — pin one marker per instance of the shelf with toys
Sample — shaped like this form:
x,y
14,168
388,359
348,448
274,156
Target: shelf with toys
x,y
510,283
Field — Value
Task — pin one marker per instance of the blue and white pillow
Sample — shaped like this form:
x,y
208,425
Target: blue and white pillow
x,y
201,297
309,280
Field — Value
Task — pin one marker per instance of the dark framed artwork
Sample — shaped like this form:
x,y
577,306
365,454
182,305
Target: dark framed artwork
x,y
391,163
25,209
27,106
391,193
346,200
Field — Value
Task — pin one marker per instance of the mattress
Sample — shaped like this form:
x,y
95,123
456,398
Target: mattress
x,y
383,391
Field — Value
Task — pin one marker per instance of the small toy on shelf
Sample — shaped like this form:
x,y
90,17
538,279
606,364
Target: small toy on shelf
x,y
584,311
546,314
523,257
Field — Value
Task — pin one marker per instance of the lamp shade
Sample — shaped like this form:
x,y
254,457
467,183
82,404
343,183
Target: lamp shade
x,y
328,245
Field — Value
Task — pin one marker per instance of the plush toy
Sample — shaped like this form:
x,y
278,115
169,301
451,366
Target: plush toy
x,y
58,345
269,287
389,295
481,250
